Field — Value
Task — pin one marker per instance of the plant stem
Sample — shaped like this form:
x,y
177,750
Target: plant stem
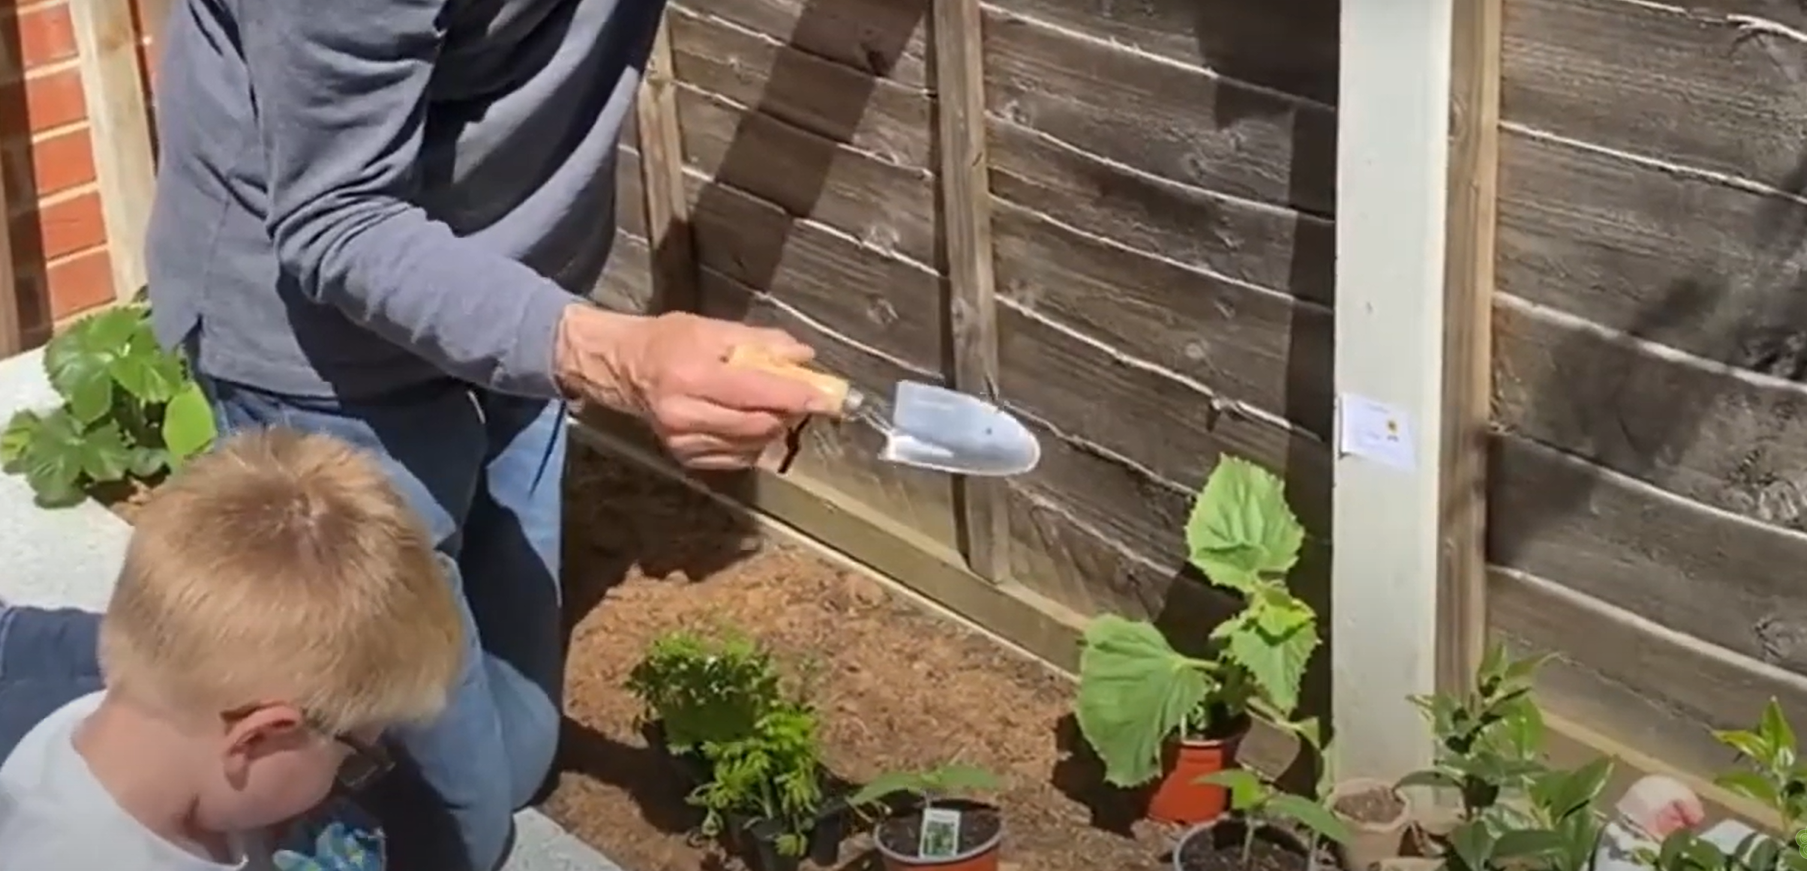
x,y
1248,841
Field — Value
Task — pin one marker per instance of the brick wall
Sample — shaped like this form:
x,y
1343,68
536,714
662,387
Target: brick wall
x,y
59,240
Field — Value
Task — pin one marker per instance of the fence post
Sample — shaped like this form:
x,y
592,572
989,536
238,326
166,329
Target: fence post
x,y
1414,251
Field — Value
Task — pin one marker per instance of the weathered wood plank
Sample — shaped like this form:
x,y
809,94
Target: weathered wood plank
x,y
113,86
964,206
1685,85
627,283
662,180
1652,688
1247,344
885,206
1722,578
1720,436
1114,404
1271,246
1288,45
875,115
630,214
1694,264
1470,258
1175,121
881,37
879,301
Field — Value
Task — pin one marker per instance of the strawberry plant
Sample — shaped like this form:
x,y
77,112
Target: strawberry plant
x,y
1136,690
130,410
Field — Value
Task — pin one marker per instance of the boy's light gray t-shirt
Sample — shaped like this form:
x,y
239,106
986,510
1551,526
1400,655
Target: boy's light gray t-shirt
x,y
55,814
355,196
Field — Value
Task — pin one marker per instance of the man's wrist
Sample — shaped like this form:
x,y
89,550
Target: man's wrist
x,y
592,360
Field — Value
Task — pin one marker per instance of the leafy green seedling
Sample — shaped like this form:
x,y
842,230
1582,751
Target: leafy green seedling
x,y
1259,803
1488,740
926,786
774,774
1136,690
706,689
130,409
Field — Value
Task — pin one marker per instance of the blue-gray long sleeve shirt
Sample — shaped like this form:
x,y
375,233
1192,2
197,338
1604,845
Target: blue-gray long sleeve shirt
x,y
358,196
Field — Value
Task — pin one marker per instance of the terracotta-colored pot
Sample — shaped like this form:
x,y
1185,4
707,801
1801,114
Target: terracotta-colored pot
x,y
1178,798
1371,841
983,857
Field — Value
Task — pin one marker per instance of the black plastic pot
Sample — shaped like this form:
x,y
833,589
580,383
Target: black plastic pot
x,y
756,840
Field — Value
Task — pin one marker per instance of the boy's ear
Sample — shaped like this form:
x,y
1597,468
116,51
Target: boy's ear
x,y
250,734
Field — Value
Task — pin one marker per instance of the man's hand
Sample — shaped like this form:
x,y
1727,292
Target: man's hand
x,y
672,370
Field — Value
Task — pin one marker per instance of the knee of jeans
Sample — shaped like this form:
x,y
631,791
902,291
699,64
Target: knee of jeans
x,y
532,739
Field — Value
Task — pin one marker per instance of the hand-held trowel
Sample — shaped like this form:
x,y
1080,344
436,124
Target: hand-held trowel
x,y
929,427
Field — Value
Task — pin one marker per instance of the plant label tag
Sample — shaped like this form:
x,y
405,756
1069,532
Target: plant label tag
x,y
1373,430
940,833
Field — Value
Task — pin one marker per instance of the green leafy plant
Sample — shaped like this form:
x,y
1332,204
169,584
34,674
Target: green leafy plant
x,y
129,410
1136,690
1556,828
926,787
773,774
703,689
1257,802
724,700
1771,774
1488,741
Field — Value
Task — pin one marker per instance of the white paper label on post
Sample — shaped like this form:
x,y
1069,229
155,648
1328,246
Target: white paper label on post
x,y
1373,430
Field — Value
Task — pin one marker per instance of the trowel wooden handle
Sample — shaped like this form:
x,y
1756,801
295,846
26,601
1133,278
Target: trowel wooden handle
x,y
835,388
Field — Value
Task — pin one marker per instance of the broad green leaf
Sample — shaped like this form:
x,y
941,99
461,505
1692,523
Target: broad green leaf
x,y
188,425
1472,843
1276,664
1561,793
1134,692
1247,790
17,438
1777,734
145,370
1310,814
1749,784
52,461
77,367
886,785
1241,528
148,462
105,456
959,777
1749,744
1519,843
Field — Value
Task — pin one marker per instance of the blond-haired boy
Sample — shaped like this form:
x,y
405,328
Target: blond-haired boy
x,y
279,608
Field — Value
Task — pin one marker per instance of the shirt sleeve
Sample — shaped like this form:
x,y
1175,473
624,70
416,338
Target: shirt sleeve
x,y
340,89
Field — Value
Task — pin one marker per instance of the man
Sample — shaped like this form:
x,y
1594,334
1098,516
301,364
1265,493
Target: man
x,y
371,219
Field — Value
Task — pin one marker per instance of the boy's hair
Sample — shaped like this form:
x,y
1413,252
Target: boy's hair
x,y
283,567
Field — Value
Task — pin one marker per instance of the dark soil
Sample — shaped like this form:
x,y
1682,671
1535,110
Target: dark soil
x,y
1377,805
898,687
978,825
1220,849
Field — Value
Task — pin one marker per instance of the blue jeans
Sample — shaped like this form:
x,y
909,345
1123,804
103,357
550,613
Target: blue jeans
x,y
48,658
484,471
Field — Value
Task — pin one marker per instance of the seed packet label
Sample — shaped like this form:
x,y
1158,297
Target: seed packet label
x,y
940,833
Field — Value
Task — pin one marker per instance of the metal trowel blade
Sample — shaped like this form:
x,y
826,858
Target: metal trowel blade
x,y
949,431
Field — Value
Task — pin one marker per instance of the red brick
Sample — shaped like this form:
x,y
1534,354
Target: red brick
x,y
77,284
46,36
51,100
48,166
58,229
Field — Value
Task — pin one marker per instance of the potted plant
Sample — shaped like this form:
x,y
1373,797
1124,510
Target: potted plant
x,y
1151,712
935,830
1375,814
1770,774
720,709
1257,835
